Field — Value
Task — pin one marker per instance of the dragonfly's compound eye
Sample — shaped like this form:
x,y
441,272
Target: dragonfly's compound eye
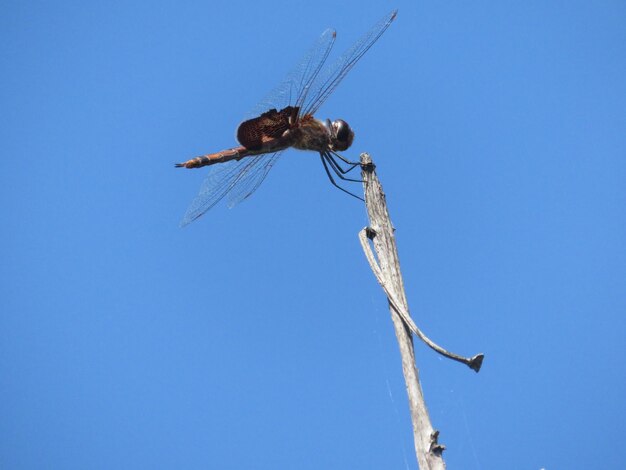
x,y
342,135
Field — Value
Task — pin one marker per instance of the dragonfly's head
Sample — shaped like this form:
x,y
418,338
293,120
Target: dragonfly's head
x,y
341,135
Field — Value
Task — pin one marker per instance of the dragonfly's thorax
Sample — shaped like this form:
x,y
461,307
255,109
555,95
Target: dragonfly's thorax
x,y
311,134
321,136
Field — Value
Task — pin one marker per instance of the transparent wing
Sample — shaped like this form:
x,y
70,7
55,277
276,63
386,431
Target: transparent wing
x,y
237,179
326,82
295,87
305,87
250,178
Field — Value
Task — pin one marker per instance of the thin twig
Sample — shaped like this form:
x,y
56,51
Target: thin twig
x,y
473,362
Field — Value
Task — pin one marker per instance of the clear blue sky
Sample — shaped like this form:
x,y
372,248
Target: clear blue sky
x,y
257,337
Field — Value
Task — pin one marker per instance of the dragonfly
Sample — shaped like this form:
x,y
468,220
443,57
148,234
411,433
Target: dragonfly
x,y
285,119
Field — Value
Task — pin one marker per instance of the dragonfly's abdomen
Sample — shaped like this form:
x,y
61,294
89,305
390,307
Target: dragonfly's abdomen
x,y
219,157
271,132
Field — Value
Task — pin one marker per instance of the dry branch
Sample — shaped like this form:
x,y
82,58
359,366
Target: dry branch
x,y
386,268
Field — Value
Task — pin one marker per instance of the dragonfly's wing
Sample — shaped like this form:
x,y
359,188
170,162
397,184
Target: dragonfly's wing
x,y
250,178
237,179
307,88
296,86
326,82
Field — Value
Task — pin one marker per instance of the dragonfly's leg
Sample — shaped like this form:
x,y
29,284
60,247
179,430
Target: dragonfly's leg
x,y
334,165
352,165
332,180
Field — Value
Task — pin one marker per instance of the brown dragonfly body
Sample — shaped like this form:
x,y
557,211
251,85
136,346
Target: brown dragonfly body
x,y
274,131
285,119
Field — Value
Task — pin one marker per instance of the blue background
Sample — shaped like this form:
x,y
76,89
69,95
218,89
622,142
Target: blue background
x,y
258,337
